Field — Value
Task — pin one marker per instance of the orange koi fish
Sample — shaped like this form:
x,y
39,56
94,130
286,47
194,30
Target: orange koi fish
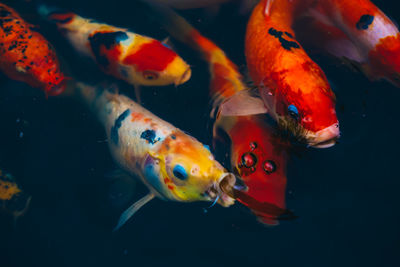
x,y
253,153
25,55
294,89
357,32
134,58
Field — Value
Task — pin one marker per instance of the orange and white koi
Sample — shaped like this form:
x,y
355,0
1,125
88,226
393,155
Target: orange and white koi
x,y
25,55
13,200
254,154
173,165
355,31
134,58
295,90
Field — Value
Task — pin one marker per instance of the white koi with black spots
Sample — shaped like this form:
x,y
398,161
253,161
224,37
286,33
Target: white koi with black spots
x,y
134,58
172,164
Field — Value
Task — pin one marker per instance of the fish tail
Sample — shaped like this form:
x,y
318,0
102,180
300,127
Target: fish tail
x,y
181,29
55,14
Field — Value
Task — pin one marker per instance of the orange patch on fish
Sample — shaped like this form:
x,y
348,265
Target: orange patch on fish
x,y
136,116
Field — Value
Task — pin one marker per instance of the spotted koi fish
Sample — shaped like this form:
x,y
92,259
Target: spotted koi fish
x,y
25,55
173,165
294,89
13,200
357,32
254,152
134,58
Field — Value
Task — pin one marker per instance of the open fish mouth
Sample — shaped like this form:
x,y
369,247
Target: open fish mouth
x,y
185,77
223,190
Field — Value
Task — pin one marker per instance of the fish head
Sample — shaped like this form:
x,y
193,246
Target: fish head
x,y
260,160
52,81
155,64
385,60
306,109
187,171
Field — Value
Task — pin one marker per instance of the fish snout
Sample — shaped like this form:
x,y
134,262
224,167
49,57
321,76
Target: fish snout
x,y
184,77
224,188
326,137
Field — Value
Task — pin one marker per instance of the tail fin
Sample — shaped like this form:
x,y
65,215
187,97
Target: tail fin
x,y
55,14
179,28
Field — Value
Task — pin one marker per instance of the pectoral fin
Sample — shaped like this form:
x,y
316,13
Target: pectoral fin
x,y
243,103
129,212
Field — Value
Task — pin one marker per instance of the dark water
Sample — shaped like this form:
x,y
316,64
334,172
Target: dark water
x,y
346,197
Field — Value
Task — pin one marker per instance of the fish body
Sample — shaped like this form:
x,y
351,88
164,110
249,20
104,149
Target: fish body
x,y
13,200
134,58
173,165
294,88
254,151
26,55
359,32
250,139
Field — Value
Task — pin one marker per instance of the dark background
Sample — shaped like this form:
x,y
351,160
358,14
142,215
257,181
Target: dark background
x,y
346,197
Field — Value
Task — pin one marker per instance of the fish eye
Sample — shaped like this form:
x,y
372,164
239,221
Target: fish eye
x,y
293,112
150,75
249,160
180,172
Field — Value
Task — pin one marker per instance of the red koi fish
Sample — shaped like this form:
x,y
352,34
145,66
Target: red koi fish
x,y
136,59
357,32
294,89
25,55
253,152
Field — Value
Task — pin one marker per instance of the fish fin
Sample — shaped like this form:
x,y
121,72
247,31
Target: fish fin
x,y
344,48
245,102
129,212
168,43
267,8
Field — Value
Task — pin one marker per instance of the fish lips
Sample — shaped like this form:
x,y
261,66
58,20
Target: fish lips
x,y
326,137
223,190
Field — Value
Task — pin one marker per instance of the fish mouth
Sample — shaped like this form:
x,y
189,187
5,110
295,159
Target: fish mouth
x,y
184,78
56,89
326,137
223,190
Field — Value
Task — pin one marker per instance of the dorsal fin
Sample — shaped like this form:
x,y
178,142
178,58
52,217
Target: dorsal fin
x,y
267,8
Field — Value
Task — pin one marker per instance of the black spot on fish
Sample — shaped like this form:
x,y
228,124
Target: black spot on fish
x,y
364,22
289,34
150,136
12,46
288,45
117,124
107,39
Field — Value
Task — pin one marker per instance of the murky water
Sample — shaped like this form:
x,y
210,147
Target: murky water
x,y
346,197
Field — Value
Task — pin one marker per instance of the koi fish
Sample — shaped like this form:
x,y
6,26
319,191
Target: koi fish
x,y
134,58
26,55
294,89
173,165
13,200
357,32
254,154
